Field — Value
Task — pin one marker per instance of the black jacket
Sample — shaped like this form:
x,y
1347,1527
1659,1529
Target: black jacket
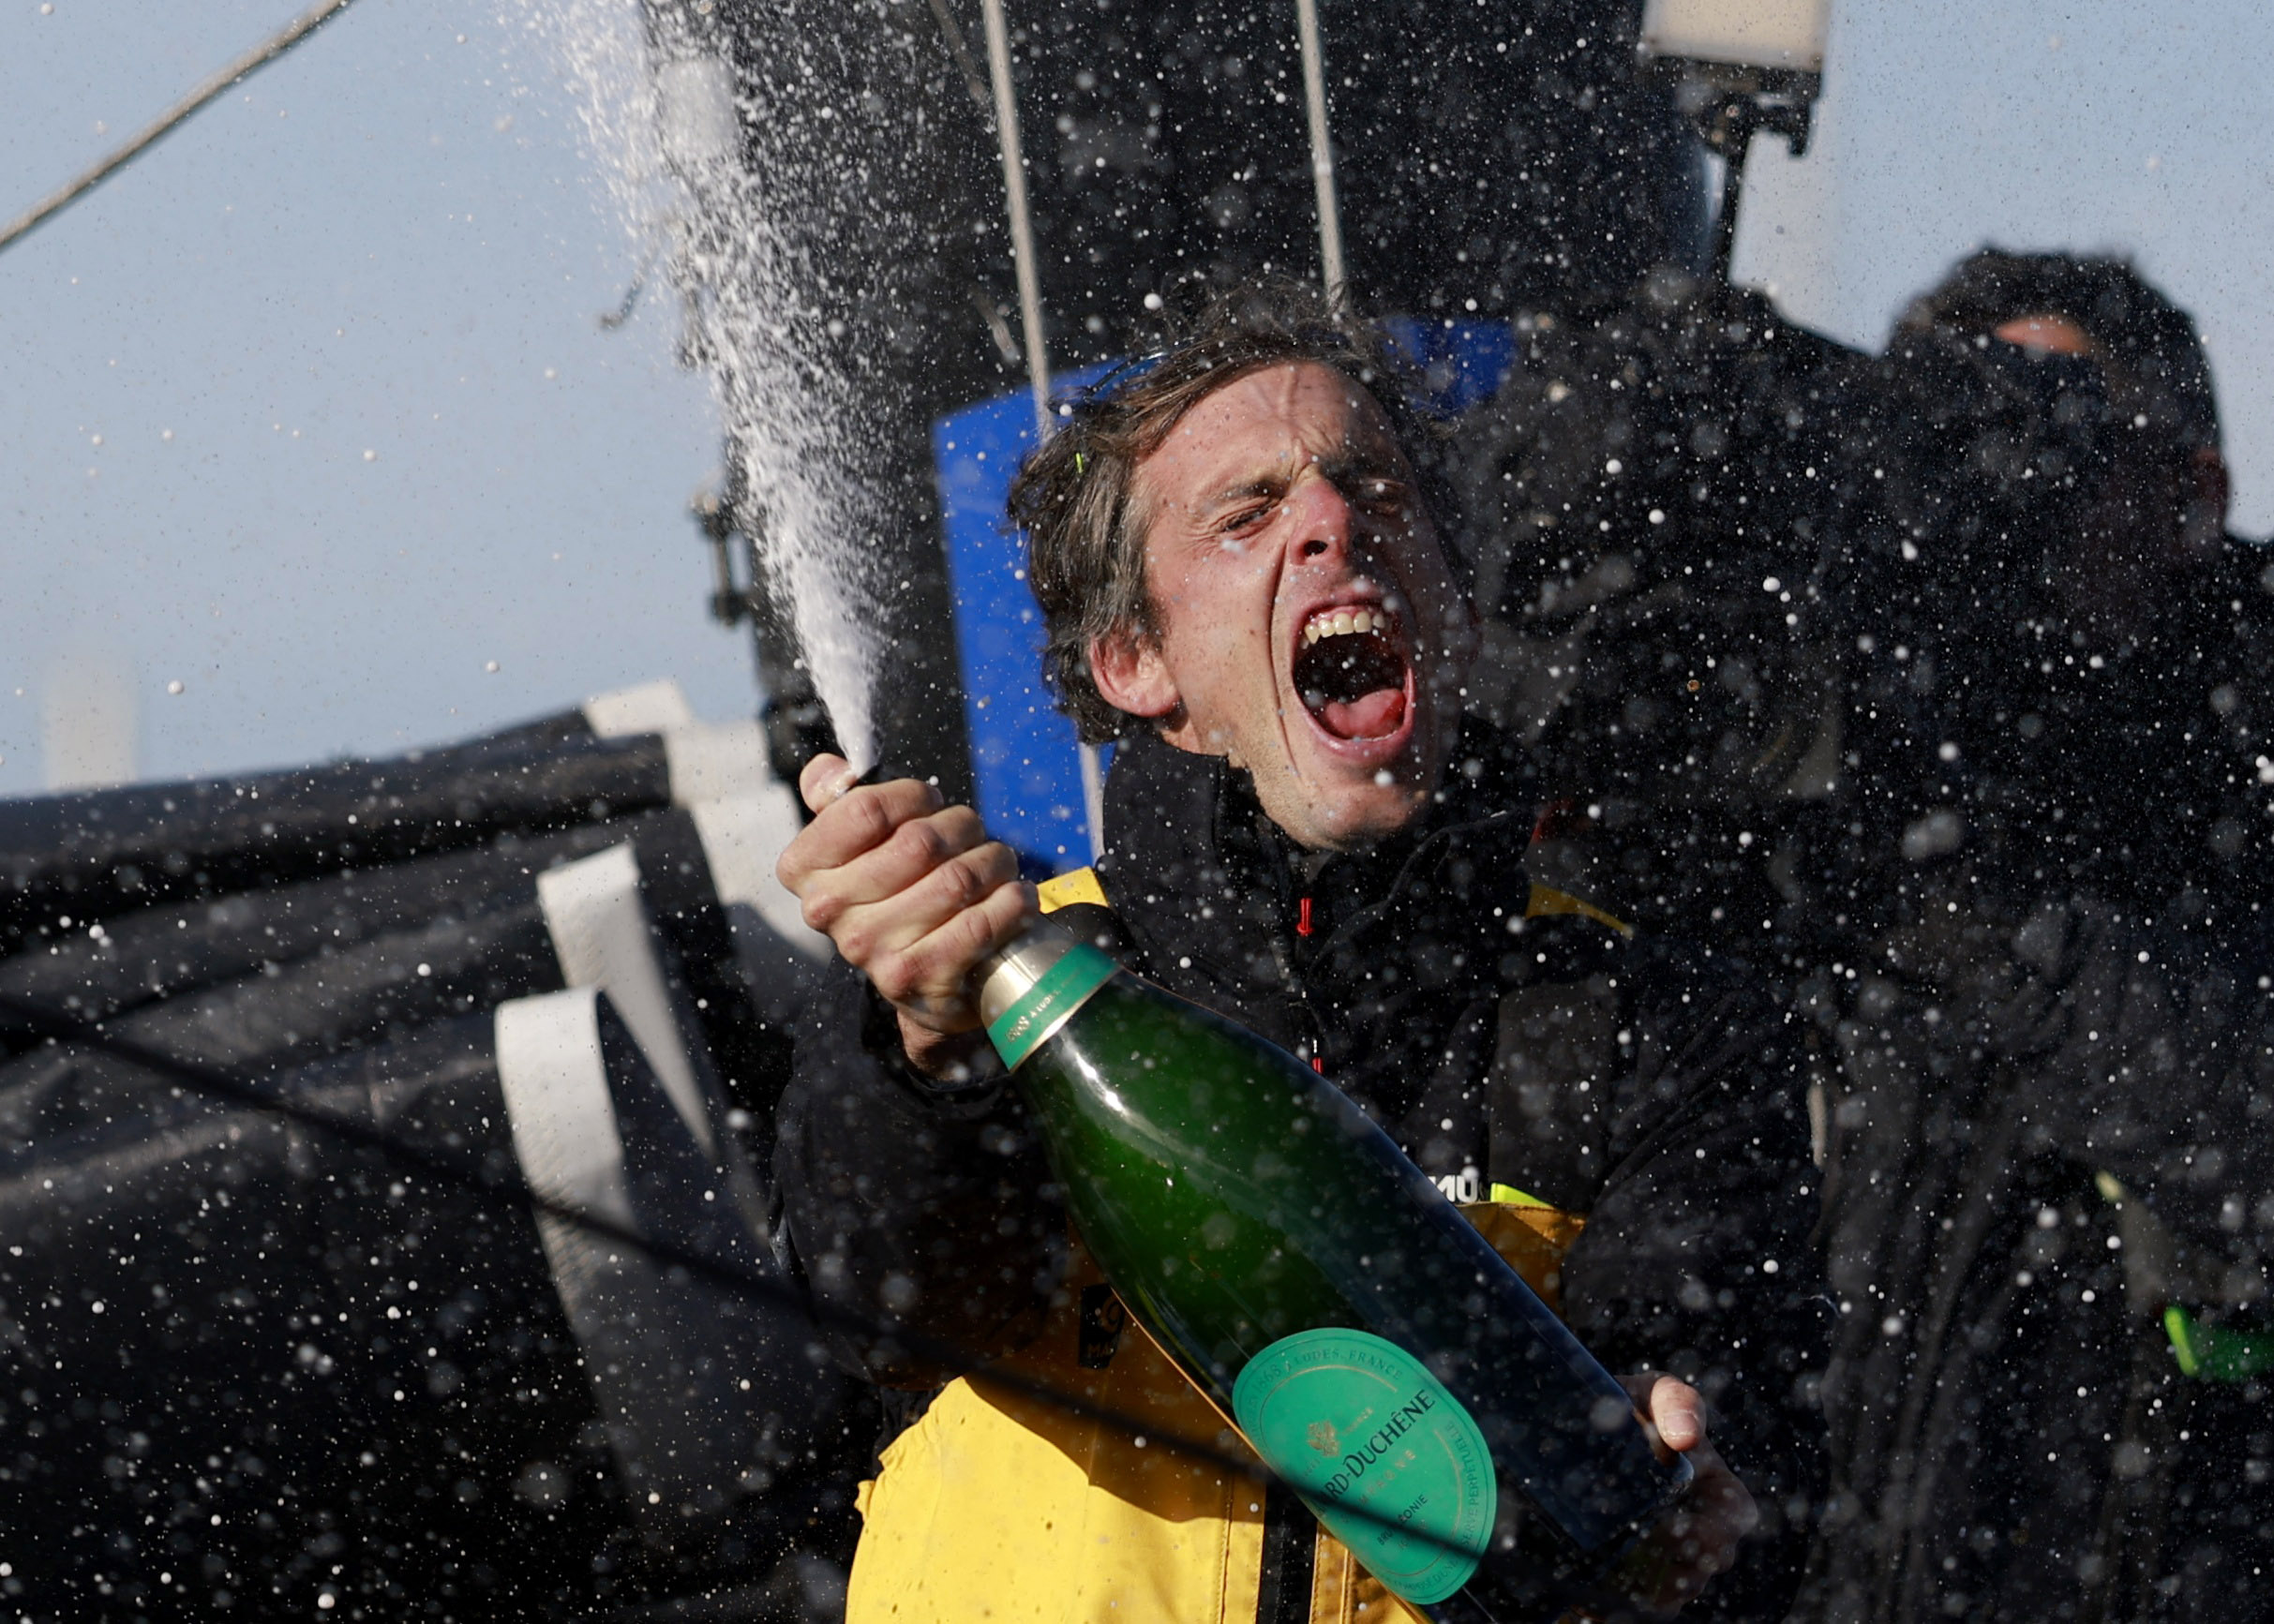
x,y
2049,1126
1638,1082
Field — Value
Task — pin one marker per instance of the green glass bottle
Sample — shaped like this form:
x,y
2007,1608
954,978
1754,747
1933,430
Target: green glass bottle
x,y
1368,1341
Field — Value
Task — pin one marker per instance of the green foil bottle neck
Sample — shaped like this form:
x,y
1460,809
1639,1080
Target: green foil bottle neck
x,y
1031,988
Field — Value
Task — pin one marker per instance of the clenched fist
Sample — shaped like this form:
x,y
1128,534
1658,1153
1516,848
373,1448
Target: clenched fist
x,y
915,896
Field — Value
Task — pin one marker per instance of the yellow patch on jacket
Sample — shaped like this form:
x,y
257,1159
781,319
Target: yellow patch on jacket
x,y
1076,886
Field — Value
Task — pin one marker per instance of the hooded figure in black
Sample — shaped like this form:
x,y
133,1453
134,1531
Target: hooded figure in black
x,y
1942,681
2047,1171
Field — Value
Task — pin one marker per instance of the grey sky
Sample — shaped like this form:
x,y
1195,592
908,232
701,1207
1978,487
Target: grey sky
x,y
390,243
384,243
2091,128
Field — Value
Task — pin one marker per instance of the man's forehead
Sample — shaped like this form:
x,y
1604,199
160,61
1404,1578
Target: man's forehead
x,y
1297,410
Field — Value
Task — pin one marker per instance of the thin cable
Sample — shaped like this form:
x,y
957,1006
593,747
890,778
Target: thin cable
x,y
1322,147
974,81
1732,196
1022,225
1030,322
496,1186
259,56
611,320
1093,798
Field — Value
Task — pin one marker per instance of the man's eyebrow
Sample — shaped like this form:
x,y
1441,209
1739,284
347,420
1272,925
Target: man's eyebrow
x,y
1341,466
1378,464
1269,484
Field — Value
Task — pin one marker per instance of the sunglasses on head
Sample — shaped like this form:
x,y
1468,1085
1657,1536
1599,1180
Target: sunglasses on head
x,y
1118,379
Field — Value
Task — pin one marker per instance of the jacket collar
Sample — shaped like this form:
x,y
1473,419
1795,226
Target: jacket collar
x,y
1181,823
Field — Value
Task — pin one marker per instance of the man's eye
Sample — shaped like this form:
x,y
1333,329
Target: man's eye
x,y
1246,518
1380,493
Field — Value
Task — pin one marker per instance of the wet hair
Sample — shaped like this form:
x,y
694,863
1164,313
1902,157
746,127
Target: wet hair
x,y
2146,345
1074,497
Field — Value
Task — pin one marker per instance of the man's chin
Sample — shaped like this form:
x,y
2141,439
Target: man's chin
x,y
1339,810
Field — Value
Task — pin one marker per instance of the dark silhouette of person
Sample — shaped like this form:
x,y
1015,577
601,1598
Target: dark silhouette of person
x,y
2044,1160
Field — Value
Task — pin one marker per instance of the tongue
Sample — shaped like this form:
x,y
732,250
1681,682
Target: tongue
x,y
1368,716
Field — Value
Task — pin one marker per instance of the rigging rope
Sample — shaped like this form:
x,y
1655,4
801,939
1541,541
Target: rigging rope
x,y
259,56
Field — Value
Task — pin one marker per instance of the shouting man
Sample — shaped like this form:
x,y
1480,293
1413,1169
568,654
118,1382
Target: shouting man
x,y
1245,586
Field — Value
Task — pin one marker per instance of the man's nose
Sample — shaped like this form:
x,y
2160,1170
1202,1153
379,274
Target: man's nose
x,y
1325,524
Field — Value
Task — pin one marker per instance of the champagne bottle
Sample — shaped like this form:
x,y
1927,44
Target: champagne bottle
x,y
1368,1342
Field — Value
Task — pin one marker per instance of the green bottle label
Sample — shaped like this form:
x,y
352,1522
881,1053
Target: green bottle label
x,y
1024,1027
1352,1419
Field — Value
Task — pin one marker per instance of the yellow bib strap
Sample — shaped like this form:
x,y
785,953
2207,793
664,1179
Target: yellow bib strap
x,y
1547,900
1067,890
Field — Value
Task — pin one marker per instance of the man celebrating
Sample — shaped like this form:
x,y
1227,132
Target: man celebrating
x,y
1244,584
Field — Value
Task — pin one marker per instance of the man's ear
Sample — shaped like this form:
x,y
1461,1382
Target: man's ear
x,y
1130,672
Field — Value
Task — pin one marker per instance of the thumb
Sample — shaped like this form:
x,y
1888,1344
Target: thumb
x,y
1677,1412
826,778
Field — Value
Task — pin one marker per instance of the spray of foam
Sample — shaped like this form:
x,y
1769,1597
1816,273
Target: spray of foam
x,y
713,183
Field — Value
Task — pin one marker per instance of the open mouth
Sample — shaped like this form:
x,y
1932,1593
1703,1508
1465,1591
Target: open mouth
x,y
1352,672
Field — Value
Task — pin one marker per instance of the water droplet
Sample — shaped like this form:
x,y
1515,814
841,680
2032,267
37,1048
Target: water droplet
x,y
175,686
489,665
370,456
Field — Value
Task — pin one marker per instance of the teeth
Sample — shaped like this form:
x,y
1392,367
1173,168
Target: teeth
x,y
1343,623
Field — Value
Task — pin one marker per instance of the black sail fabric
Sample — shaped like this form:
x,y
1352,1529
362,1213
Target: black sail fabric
x,y
92,856
218,1368
164,953
336,961
248,1366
